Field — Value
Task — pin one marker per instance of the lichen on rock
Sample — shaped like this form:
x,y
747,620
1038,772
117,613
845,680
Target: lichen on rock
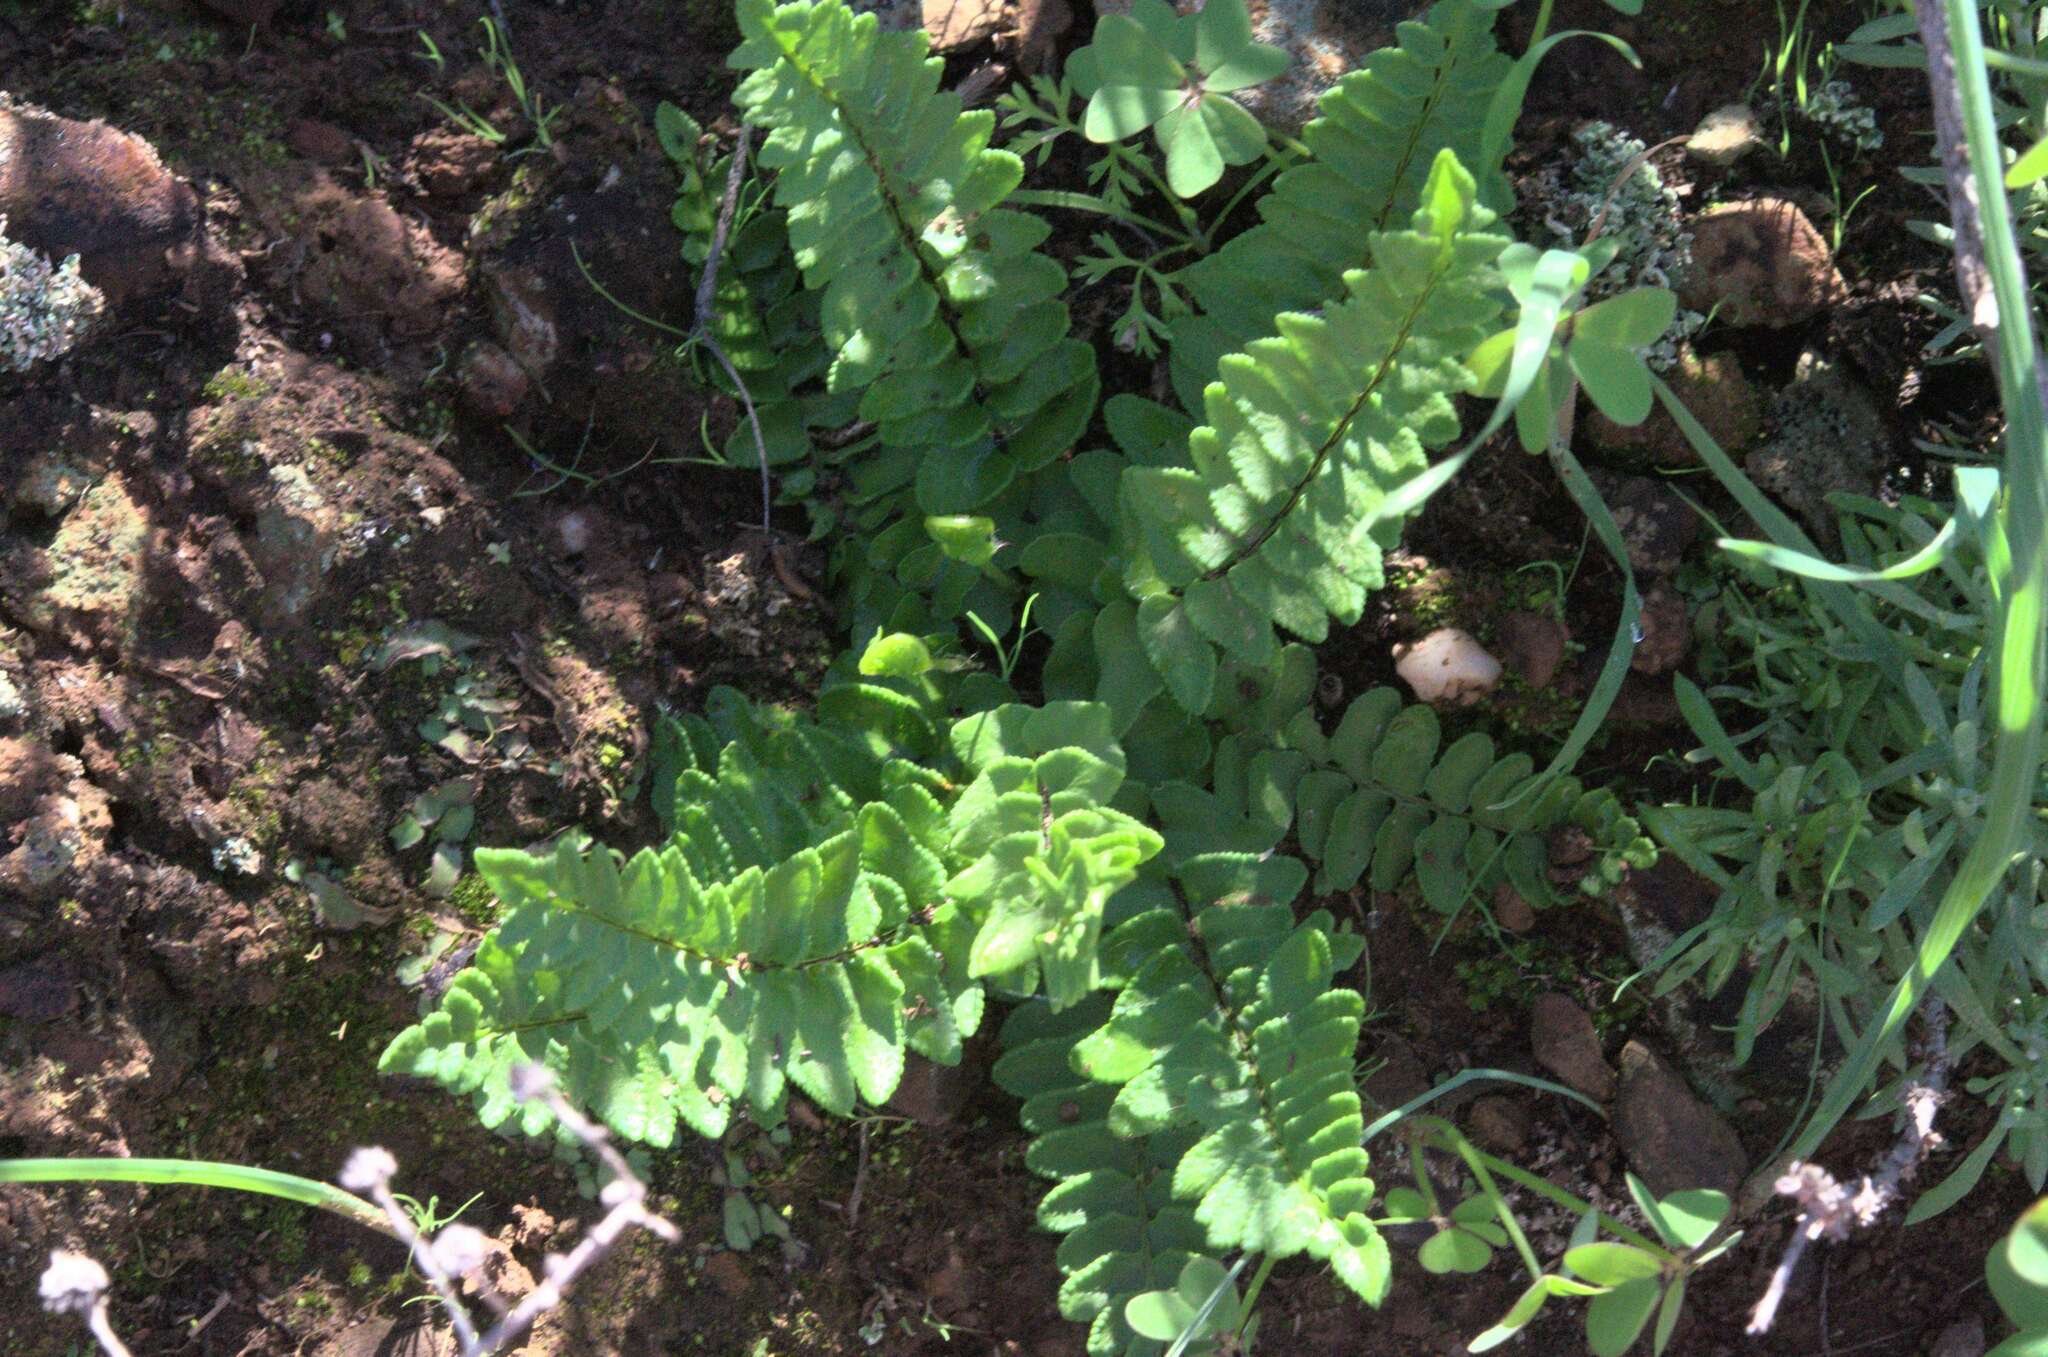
x,y
46,309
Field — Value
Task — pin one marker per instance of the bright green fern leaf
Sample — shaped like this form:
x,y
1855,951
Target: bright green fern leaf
x,y
1279,520
1379,130
936,305
1233,1025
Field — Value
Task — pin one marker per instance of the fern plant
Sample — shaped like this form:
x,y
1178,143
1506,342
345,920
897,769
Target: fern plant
x,y
935,304
1125,857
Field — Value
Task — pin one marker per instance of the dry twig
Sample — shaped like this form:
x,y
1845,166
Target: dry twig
x,y
1832,1210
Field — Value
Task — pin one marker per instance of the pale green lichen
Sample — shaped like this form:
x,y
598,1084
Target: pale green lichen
x,y
44,310
1633,207
1836,110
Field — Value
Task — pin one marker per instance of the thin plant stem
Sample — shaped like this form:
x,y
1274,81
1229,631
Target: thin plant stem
x,y
200,1173
1074,200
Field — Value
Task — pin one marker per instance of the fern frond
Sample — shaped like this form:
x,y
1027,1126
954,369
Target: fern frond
x,y
1046,850
1231,1023
936,304
1379,130
1125,1234
1280,520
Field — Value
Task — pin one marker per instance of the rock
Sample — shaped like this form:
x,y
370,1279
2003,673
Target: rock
x,y
95,191
1964,1338
931,1094
1511,911
1827,434
1532,646
1499,1124
295,544
63,836
493,383
1666,632
1656,525
1725,135
1447,666
1673,1140
87,582
728,1274
1718,394
449,163
1760,262
1563,1040
321,141
39,990
1400,1076
334,820
962,23
1040,24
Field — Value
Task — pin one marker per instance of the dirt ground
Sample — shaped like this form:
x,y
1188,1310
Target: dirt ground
x,y
303,568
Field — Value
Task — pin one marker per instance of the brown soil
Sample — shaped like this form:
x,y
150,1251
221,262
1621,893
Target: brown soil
x,y
203,697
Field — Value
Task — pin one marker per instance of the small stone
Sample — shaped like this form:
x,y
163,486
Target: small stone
x,y
1673,1140
1666,632
1447,666
39,990
1400,1076
1499,1124
1563,1040
296,535
1726,135
97,192
1656,525
1760,262
725,1271
523,316
1964,1338
493,384
449,163
1532,646
931,1094
1511,911
961,23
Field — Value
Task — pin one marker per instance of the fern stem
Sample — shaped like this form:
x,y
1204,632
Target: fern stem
x,y
1075,201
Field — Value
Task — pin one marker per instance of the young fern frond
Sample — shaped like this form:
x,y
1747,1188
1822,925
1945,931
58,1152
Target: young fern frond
x,y
1280,520
822,904
937,306
1379,131
778,937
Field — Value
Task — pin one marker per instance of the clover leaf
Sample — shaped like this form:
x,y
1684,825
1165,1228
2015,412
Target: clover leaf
x,y
1174,74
